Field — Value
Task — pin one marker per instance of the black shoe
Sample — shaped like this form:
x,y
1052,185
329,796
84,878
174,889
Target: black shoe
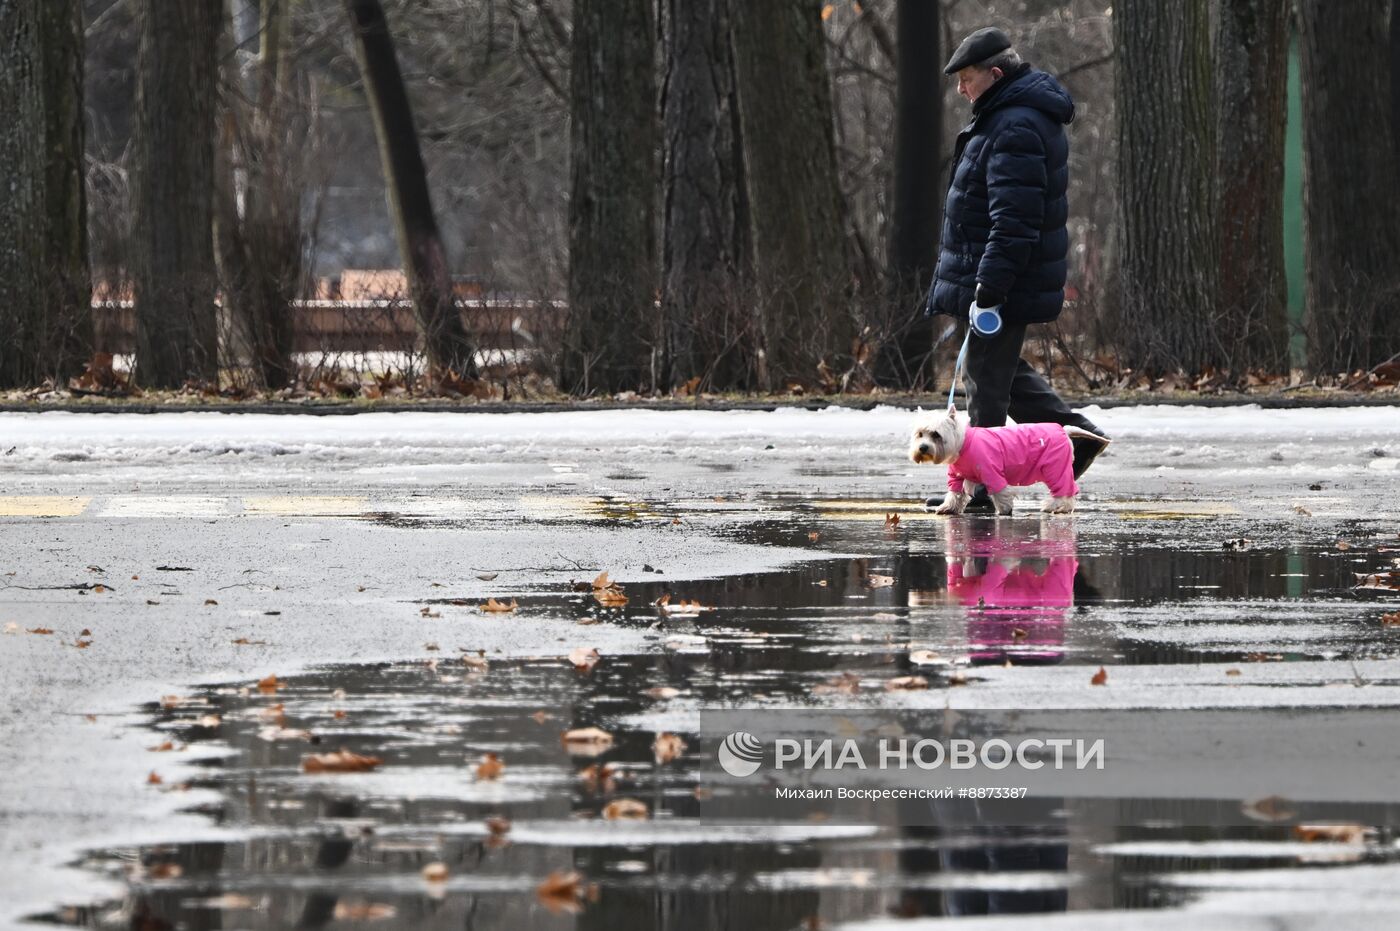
x,y
981,503
1087,447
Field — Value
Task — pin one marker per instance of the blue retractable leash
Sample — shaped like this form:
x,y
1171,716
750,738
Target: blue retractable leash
x,y
987,322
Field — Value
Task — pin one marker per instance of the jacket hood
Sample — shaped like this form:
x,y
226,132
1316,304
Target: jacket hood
x,y
1032,89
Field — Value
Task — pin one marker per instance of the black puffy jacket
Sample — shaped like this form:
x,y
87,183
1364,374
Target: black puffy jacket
x,y
1004,219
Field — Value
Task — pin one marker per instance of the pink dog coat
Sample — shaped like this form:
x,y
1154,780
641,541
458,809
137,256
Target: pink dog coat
x,y
1021,455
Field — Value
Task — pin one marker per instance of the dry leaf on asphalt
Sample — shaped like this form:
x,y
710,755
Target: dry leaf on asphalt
x,y
584,658
435,873
1100,677
364,911
625,809
587,741
906,683
493,606
1333,833
269,685
1270,809
490,767
845,684
684,608
599,777
562,892
339,761
608,593
667,747
891,521
1379,581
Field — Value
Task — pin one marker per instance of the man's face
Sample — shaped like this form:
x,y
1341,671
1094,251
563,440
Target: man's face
x,y
973,81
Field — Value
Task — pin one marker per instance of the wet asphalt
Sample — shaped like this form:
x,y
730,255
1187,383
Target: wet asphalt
x,y
173,584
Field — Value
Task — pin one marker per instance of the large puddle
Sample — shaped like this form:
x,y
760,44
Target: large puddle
x,y
433,839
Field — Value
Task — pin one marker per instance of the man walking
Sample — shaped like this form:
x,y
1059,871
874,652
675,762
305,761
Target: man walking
x,y
1004,242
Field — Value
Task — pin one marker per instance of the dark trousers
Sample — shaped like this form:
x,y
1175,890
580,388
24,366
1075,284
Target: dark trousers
x,y
1001,383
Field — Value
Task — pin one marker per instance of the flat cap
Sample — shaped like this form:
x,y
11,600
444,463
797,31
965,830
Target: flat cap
x,y
977,48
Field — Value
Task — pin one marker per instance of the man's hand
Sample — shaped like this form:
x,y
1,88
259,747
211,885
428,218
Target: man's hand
x,y
986,297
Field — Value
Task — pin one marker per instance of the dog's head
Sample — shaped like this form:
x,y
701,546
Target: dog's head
x,y
938,441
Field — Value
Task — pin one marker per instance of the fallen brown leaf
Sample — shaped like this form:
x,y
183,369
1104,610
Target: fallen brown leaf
x,y
154,779
906,683
587,741
490,767
1379,581
1390,620
339,761
814,536
1100,677
610,597
599,777
625,809
493,606
665,691
584,658
245,642
562,892
891,521
164,747
363,911
845,684
426,611
269,685
435,873
878,581
498,826
1232,672
1333,833
667,747
210,601
42,631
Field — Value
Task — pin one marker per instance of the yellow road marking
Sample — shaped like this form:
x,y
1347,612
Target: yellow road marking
x,y
304,506
42,506
1170,510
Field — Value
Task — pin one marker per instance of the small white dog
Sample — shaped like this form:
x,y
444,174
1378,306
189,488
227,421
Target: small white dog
x,y
999,458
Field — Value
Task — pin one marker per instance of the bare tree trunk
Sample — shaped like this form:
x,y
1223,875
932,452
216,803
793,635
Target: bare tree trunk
x,y
801,271
1251,80
918,194
22,135
420,242
707,325
612,321
1166,151
45,292
1395,76
172,227
272,213
1352,240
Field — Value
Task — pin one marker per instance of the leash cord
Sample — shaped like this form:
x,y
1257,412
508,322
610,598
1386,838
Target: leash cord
x,y
958,367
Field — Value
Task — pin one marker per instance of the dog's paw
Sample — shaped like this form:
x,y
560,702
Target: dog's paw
x,y
1058,505
953,504
1005,502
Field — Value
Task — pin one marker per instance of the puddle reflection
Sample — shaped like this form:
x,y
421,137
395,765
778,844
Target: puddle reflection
x,y
321,850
